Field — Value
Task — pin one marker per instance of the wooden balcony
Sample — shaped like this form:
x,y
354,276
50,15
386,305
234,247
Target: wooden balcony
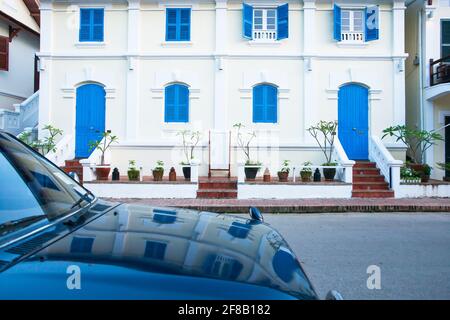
x,y
440,71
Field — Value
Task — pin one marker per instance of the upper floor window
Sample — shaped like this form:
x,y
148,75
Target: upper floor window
x,y
266,23
81,245
92,24
445,38
356,25
178,24
4,53
176,103
265,104
155,250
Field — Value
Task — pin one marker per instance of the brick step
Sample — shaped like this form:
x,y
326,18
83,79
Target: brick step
x,y
370,186
365,164
216,194
370,171
373,194
72,163
217,185
368,178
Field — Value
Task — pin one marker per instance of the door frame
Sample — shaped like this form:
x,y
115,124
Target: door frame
x,y
74,122
446,143
369,109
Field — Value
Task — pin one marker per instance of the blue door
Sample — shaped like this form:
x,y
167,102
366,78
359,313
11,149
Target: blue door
x,y
90,121
353,130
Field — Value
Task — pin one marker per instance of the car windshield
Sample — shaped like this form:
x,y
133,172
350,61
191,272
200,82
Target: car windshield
x,y
33,191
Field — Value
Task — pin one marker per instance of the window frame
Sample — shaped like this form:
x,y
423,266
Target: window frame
x,y
265,105
6,54
91,25
442,45
178,24
178,120
351,18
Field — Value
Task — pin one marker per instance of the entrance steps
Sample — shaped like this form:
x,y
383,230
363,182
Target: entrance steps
x,y
368,182
217,188
74,166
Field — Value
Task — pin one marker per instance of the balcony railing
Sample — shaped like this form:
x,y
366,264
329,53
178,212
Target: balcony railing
x,y
439,71
264,35
352,36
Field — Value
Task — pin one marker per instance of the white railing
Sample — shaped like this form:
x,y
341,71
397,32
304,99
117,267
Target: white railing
x,y
64,150
29,111
352,36
388,166
342,158
264,35
10,121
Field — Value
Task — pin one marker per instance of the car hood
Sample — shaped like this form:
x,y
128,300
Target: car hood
x,y
142,252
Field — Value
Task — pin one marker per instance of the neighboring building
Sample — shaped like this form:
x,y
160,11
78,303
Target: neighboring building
x,y
147,69
19,79
428,74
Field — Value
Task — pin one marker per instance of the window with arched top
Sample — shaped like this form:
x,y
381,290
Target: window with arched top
x,y
265,104
176,103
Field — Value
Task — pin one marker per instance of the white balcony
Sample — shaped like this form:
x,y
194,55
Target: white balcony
x,y
264,35
352,37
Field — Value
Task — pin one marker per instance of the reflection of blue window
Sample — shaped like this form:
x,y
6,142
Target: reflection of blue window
x,y
164,216
44,180
239,230
223,267
284,265
155,250
81,245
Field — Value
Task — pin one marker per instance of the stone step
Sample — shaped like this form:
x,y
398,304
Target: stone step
x,y
373,194
368,178
370,171
216,194
365,164
72,163
227,185
370,186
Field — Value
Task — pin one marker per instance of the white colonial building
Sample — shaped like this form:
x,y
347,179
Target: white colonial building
x,y
428,74
19,79
146,69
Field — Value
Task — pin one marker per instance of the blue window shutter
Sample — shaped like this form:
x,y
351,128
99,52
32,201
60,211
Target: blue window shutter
x,y
176,103
372,23
171,24
98,18
85,25
265,104
247,21
258,104
185,24
337,23
283,21
271,104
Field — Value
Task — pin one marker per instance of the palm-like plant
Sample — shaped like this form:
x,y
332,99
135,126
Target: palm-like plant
x,y
325,131
103,144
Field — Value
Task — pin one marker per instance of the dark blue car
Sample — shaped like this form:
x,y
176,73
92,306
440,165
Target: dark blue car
x,y
58,241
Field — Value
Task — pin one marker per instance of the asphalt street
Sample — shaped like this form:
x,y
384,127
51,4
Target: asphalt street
x,y
411,250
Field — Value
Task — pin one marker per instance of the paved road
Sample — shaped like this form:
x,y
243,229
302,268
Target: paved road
x,y
412,250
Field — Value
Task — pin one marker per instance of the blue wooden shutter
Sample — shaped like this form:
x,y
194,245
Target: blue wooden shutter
x,y
271,104
183,103
185,24
98,19
258,104
372,23
283,21
337,23
85,25
171,24
247,21
169,110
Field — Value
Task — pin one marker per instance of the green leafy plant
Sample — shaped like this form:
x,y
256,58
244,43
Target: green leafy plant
x,y
427,169
324,132
409,174
307,167
103,144
159,166
444,166
243,141
417,141
285,166
25,137
133,172
190,141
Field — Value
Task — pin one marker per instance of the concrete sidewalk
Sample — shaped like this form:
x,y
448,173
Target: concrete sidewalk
x,y
302,205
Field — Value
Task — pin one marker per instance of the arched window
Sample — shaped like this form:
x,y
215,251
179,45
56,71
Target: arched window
x,y
176,103
265,103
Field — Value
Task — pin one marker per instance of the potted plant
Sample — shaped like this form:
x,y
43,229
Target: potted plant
x,y
426,172
409,175
283,174
158,171
190,140
326,129
102,170
417,142
306,172
251,167
133,172
446,168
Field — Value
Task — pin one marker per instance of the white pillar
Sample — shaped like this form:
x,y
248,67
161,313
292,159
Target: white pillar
x,y
45,65
133,83
220,68
429,125
309,13
398,51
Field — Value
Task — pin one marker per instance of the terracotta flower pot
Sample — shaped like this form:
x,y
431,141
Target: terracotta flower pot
x,y
158,175
306,176
283,176
424,178
102,172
